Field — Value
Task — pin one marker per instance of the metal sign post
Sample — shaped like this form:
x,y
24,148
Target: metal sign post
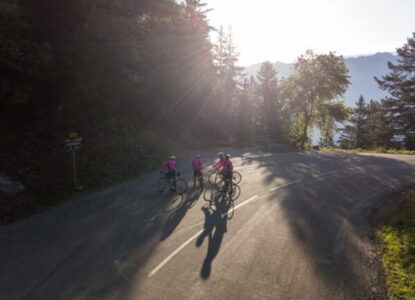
x,y
73,143
75,179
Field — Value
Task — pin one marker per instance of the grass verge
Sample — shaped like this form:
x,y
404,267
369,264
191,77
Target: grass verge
x,y
396,236
379,150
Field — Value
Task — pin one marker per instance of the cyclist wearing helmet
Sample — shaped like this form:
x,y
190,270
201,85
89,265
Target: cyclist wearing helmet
x,y
197,168
170,166
219,164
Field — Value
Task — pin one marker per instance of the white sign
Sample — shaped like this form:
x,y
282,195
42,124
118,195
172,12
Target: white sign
x,y
73,144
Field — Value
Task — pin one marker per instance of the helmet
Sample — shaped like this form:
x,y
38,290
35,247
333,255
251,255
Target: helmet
x,y
228,155
221,154
172,157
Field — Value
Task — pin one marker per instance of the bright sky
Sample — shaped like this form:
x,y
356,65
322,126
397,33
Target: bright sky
x,y
281,30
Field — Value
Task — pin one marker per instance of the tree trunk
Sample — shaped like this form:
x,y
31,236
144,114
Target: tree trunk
x,y
305,129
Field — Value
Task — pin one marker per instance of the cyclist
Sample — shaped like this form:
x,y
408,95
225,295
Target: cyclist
x,y
197,168
170,166
227,170
219,164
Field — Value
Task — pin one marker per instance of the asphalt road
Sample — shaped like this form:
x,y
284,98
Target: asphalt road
x,y
300,230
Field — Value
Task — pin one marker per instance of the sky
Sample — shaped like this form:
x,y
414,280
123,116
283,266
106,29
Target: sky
x,y
281,30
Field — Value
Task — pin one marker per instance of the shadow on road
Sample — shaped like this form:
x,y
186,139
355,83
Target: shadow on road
x,y
179,212
329,216
214,229
98,245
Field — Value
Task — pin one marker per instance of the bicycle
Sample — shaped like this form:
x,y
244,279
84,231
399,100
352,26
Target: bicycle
x,y
216,177
223,197
181,184
200,180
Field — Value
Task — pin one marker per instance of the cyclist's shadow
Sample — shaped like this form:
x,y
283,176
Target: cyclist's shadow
x,y
213,220
174,219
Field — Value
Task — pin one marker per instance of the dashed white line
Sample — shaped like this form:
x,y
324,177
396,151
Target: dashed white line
x,y
175,252
281,186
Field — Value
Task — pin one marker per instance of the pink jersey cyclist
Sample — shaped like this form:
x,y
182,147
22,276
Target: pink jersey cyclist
x,y
197,163
227,165
171,168
169,165
197,167
219,164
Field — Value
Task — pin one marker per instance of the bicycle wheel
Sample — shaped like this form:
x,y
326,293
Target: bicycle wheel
x,y
236,192
212,177
230,209
181,186
237,177
207,195
161,184
201,182
220,182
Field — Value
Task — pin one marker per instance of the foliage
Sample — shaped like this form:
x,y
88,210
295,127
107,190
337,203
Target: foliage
x,y
397,239
130,75
376,150
400,84
368,127
316,81
269,91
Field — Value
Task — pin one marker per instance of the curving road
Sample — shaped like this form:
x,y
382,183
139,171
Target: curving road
x,y
300,230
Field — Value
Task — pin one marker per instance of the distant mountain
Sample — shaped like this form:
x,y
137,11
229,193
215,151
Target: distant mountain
x,y
362,69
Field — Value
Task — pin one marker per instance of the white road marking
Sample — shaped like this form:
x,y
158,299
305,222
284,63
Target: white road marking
x,y
281,186
245,202
175,252
168,258
327,173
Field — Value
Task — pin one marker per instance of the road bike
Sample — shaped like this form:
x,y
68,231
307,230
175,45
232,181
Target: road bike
x,y
216,177
164,181
200,180
223,198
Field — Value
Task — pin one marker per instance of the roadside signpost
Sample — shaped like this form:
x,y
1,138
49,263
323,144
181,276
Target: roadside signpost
x,y
74,143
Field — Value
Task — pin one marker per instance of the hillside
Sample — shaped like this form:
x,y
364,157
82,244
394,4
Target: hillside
x,y
362,69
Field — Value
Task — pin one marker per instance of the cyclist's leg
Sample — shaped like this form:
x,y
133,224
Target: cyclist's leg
x,y
174,181
200,178
228,177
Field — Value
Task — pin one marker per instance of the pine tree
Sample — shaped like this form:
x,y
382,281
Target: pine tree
x,y
358,119
347,139
267,77
228,81
378,130
400,84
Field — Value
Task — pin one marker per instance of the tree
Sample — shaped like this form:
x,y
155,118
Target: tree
x,y
228,75
316,81
358,119
21,59
347,137
330,115
267,77
378,131
400,83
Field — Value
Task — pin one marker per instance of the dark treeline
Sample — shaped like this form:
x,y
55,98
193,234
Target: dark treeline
x,y
137,78
389,123
122,67
131,75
